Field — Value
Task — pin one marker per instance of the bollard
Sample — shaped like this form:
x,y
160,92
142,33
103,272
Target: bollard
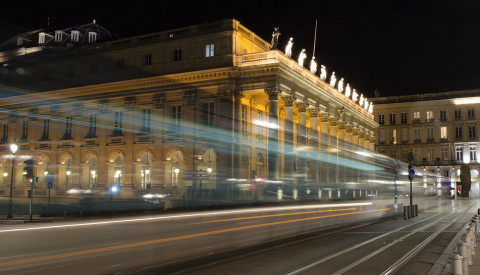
x,y
473,234
405,212
462,251
279,194
456,264
295,193
475,223
409,212
416,209
466,240
471,239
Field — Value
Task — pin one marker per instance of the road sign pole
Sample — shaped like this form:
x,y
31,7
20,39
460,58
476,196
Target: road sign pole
x,y
411,174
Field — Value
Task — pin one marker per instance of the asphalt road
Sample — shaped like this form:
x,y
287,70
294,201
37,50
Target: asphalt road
x,y
253,241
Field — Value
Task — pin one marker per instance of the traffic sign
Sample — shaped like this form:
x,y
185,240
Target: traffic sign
x,y
411,172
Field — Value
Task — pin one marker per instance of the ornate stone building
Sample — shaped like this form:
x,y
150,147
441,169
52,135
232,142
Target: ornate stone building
x,y
191,107
441,129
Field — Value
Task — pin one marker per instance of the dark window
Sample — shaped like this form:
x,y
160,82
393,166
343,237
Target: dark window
x,y
381,119
471,131
5,133
120,63
24,136
458,114
178,55
46,130
176,115
117,126
68,129
392,119
92,127
458,132
147,59
471,113
145,129
403,118
208,111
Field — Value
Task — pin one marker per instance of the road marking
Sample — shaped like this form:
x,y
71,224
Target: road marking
x,y
276,215
158,241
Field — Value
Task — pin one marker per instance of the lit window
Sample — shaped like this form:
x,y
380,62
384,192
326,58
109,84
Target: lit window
x,y
58,36
74,36
209,50
92,37
416,115
416,154
41,38
244,118
429,115
394,136
444,152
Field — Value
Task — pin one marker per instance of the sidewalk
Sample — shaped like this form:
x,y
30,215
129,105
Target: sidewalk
x,y
443,265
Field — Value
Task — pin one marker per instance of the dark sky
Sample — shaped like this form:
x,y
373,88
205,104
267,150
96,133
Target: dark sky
x,y
397,47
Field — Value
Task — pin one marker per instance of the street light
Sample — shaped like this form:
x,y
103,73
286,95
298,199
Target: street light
x,y
13,148
68,177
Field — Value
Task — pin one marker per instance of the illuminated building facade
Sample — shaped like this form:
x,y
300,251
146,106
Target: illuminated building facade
x,y
441,129
182,109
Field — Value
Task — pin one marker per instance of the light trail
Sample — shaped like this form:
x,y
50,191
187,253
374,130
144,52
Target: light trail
x,y
170,239
241,211
276,215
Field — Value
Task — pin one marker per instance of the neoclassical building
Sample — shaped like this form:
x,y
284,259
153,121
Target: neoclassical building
x,y
441,129
191,107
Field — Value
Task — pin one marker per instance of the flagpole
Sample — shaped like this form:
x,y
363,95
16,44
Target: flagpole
x,y
315,38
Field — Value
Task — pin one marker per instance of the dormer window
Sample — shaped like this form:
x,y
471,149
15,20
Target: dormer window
x,y
19,41
92,37
74,36
41,38
58,36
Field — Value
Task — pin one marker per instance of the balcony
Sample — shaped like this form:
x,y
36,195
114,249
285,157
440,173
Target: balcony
x,y
417,141
416,120
443,140
430,120
430,140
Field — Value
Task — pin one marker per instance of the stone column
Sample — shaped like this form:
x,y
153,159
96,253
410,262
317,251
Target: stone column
x,y
313,144
323,148
354,146
237,165
333,155
342,169
301,141
289,153
273,132
349,155
226,120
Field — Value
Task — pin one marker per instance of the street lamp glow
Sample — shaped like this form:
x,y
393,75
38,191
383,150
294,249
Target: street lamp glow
x,y
114,188
13,148
45,173
176,170
147,171
209,170
5,174
69,173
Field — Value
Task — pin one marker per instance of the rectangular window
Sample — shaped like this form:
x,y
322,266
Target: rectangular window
x,y
473,153
394,136
458,132
443,132
458,114
381,119
381,135
404,135
416,154
5,133
208,113
68,129
260,128
429,115
177,55
74,36
176,116
430,154
393,153
146,116
444,152
120,63
443,115
403,117
209,50
244,119
459,153
416,134
430,133
94,68
471,131
471,113
92,126
147,59
392,119
416,115
117,125
46,130
24,136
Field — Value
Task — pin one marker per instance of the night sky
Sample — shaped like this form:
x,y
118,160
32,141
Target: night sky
x,y
395,47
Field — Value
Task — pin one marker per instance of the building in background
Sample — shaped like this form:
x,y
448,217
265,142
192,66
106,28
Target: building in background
x,y
441,129
178,111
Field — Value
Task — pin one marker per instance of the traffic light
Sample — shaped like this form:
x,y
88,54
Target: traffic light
x,y
28,168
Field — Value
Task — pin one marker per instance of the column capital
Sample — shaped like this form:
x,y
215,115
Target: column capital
x,y
355,131
288,100
272,93
313,111
237,95
302,107
323,116
332,120
341,124
348,128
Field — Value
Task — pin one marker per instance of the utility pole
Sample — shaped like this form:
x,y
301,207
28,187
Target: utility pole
x,y
411,174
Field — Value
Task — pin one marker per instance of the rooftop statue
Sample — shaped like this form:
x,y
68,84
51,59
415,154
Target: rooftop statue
x,y
333,79
360,102
323,73
275,36
340,85
288,48
301,57
348,90
313,65
354,95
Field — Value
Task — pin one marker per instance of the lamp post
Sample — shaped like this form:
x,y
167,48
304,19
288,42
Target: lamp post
x,y
13,148
68,178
